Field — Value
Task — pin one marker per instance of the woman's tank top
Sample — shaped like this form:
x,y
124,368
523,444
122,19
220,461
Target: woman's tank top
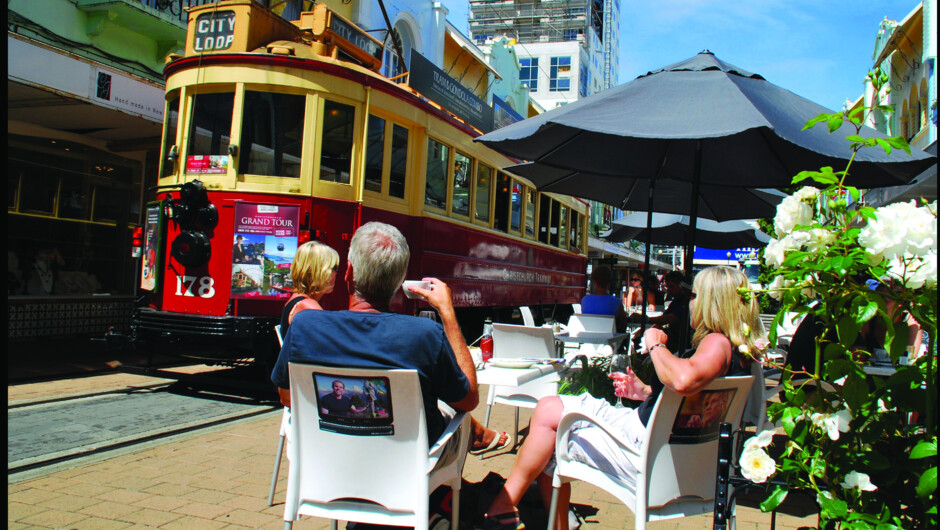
x,y
285,313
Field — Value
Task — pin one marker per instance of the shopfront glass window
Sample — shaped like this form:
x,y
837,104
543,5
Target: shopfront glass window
x,y
337,144
460,202
435,192
209,133
272,134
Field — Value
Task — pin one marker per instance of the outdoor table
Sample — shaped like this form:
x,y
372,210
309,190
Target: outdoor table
x,y
880,370
495,375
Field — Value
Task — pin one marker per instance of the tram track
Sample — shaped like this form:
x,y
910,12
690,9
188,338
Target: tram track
x,y
46,434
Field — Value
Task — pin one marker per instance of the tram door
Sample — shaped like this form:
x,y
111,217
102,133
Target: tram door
x,y
333,223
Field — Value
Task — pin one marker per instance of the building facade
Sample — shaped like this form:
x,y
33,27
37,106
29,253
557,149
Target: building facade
x,y
566,49
906,52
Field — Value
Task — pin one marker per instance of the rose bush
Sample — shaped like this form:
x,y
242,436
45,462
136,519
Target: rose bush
x,y
866,445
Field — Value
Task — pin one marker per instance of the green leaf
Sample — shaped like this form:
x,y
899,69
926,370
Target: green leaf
x,y
811,123
924,449
834,508
884,144
776,497
855,391
834,122
927,483
847,328
899,343
864,309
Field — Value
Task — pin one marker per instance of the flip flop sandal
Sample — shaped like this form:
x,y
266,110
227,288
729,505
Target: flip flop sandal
x,y
502,521
494,445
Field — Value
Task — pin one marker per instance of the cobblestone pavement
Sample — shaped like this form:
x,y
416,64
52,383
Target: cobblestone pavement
x,y
220,479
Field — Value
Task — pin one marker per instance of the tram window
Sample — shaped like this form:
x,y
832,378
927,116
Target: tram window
x,y
530,213
210,126
399,169
435,193
484,184
545,217
460,202
577,225
501,207
39,189
375,153
110,202
169,134
515,217
272,134
336,146
553,228
563,227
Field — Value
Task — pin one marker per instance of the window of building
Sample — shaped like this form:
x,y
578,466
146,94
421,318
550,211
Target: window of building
x,y
435,194
272,134
583,81
484,185
529,72
460,200
559,74
210,128
569,34
337,142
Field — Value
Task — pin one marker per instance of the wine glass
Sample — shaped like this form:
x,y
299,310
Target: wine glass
x,y
619,362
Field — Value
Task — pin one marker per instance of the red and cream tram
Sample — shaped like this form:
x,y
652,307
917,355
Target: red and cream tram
x,y
278,132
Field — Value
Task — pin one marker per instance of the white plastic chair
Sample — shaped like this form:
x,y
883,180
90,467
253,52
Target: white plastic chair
x,y
374,478
282,435
575,308
527,318
673,479
587,322
513,342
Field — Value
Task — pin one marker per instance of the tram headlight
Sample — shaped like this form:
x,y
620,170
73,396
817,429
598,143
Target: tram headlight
x,y
195,216
191,248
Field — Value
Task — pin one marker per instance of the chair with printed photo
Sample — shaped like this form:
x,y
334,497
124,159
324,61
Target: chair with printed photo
x,y
676,465
366,459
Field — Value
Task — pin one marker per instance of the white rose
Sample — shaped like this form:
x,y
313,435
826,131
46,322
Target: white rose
x,y
820,239
757,466
790,213
773,253
807,194
856,480
760,441
834,423
776,286
915,272
899,229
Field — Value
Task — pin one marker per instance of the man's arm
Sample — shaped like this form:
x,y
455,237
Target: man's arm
x,y
440,299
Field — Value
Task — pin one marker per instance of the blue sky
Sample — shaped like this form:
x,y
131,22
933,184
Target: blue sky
x,y
819,49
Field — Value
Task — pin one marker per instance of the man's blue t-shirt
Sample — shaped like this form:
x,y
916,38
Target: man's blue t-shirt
x,y
378,340
596,304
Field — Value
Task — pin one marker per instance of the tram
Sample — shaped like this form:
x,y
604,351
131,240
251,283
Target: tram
x,y
277,132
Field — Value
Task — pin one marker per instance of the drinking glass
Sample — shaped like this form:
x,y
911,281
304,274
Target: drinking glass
x,y
619,362
428,314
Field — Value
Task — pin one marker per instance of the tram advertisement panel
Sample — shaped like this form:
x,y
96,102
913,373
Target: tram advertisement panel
x,y
263,249
153,245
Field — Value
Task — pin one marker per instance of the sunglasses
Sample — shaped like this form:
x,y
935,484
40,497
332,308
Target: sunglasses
x,y
635,280
335,268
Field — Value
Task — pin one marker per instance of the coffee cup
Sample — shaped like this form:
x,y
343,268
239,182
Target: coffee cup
x,y
416,283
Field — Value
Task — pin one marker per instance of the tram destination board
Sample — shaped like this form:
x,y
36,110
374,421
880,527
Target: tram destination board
x,y
214,31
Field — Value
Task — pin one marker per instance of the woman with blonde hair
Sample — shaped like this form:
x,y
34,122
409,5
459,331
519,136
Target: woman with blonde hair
x,y
314,274
726,325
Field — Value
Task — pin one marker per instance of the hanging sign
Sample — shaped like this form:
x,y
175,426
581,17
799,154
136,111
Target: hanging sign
x,y
436,85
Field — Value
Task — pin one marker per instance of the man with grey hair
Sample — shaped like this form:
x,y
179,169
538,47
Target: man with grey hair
x,y
368,336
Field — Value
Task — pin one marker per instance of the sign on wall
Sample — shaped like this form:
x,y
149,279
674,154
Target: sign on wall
x,y
444,90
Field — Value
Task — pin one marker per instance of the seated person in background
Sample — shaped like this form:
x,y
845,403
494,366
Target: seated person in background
x,y
637,292
602,302
718,307
674,319
369,336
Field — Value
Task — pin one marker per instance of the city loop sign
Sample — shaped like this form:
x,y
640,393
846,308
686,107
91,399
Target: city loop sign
x,y
214,31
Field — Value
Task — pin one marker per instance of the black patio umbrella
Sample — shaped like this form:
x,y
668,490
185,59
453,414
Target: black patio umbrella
x,y
720,203
672,229
704,121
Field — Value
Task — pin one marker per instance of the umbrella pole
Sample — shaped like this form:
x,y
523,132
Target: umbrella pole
x,y
649,246
693,211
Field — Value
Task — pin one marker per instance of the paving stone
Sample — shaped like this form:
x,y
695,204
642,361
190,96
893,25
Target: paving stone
x,y
53,519
17,511
161,502
149,517
109,510
69,503
95,523
194,523
33,496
